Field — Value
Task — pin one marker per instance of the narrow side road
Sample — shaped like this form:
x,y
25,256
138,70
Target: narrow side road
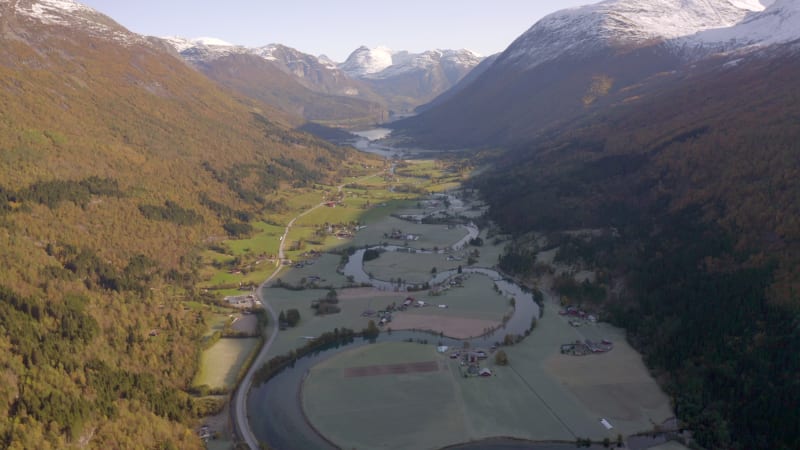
x,y
239,407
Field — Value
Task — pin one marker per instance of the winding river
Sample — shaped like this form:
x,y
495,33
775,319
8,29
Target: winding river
x,y
285,427
274,408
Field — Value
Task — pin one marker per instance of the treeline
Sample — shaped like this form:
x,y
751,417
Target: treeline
x,y
302,175
330,339
54,192
254,182
84,264
224,211
236,222
171,212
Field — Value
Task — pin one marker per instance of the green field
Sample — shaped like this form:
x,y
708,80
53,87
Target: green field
x,y
323,267
430,235
413,411
311,325
232,280
220,364
412,267
477,299
541,395
265,240
421,410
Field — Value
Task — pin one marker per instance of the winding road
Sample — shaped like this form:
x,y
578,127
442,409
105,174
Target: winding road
x,y
239,400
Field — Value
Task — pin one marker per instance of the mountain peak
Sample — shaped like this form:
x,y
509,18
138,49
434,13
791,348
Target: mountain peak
x,y
613,23
72,14
366,61
778,23
382,62
212,41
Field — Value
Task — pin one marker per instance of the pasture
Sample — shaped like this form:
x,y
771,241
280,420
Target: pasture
x,y
411,267
420,409
221,363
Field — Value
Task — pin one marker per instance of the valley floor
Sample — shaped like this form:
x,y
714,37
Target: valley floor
x,y
542,395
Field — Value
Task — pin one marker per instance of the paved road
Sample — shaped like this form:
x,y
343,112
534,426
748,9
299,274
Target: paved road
x,y
239,406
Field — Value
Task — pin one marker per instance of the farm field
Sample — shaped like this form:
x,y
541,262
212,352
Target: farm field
x,y
220,364
429,235
353,302
356,400
615,385
418,410
323,267
412,267
542,395
476,299
264,241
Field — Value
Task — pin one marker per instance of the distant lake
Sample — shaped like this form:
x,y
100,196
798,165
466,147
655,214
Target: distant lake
x,y
374,134
366,142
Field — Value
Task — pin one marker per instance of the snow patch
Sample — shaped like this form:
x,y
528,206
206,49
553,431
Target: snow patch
x,y
382,63
367,61
778,23
69,13
212,41
614,22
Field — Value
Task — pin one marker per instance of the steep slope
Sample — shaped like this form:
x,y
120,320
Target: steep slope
x,y
117,163
566,63
407,80
696,175
290,80
468,79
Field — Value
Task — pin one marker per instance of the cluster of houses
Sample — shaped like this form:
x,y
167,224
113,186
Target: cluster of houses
x,y
470,361
453,282
249,267
587,347
577,316
398,235
412,302
384,316
243,301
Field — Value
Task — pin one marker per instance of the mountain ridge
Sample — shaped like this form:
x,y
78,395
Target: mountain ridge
x,y
587,44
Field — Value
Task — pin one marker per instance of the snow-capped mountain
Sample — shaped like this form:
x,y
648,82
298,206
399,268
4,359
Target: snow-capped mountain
x,y
406,79
382,62
70,14
576,60
778,23
296,82
181,44
316,73
365,61
619,23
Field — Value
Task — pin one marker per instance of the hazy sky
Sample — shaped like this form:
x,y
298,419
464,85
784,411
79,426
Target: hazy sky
x,y
337,27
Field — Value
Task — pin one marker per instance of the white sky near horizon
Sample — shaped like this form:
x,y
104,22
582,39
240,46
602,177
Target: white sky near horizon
x,y
337,27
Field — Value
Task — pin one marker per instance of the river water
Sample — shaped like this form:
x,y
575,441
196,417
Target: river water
x,y
368,142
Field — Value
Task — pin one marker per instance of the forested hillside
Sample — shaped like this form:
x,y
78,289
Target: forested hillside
x,y
117,163
696,178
